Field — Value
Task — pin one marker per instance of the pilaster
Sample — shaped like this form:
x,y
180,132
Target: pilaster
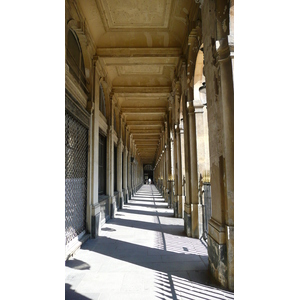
x,y
119,172
125,187
129,168
110,156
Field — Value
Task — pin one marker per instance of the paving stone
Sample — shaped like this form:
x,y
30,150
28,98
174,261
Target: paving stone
x,y
142,254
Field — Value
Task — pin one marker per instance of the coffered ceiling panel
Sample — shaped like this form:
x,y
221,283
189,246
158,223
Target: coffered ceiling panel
x,y
129,14
139,70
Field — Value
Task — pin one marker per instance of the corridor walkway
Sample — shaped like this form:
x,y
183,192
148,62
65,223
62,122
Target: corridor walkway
x,y
142,254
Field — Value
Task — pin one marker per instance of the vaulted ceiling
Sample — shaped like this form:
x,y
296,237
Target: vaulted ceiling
x,y
139,43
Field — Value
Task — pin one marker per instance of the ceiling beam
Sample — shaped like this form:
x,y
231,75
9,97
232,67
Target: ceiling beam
x,y
139,52
143,89
145,133
143,110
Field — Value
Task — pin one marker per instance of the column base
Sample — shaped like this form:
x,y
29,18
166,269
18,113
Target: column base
x,y
121,200
230,255
96,224
217,258
217,252
187,220
113,207
195,220
125,196
100,215
181,201
175,206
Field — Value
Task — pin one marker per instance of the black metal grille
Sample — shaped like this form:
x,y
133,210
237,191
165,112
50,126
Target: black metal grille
x,y
76,147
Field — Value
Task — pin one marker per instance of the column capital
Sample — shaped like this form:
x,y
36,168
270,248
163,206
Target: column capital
x,y
178,88
120,142
95,60
190,107
225,48
177,128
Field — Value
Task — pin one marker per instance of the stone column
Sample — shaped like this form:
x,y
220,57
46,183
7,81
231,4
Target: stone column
x,y
182,161
177,150
194,200
167,163
179,171
133,175
187,204
226,78
192,183
218,52
93,211
161,166
174,155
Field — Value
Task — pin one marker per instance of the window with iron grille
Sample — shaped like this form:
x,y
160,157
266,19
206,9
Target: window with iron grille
x,y
76,150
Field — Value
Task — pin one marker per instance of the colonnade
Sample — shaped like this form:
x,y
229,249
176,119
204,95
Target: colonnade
x,y
178,169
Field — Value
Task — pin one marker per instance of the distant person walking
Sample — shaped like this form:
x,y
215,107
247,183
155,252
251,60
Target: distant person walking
x,y
149,180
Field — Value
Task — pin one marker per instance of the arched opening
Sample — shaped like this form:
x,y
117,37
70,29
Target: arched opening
x,y
148,174
202,140
75,60
199,77
181,126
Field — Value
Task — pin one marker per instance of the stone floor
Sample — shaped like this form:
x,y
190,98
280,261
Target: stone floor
x,y
142,254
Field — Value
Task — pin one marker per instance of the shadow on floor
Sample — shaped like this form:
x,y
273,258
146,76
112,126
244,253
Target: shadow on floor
x,y
77,264
160,205
72,295
181,274
169,229
148,213
181,271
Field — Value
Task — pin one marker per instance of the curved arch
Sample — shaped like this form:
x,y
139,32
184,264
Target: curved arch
x,y
75,59
76,27
199,77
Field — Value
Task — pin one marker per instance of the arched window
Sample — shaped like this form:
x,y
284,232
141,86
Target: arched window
x,y
102,106
75,59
